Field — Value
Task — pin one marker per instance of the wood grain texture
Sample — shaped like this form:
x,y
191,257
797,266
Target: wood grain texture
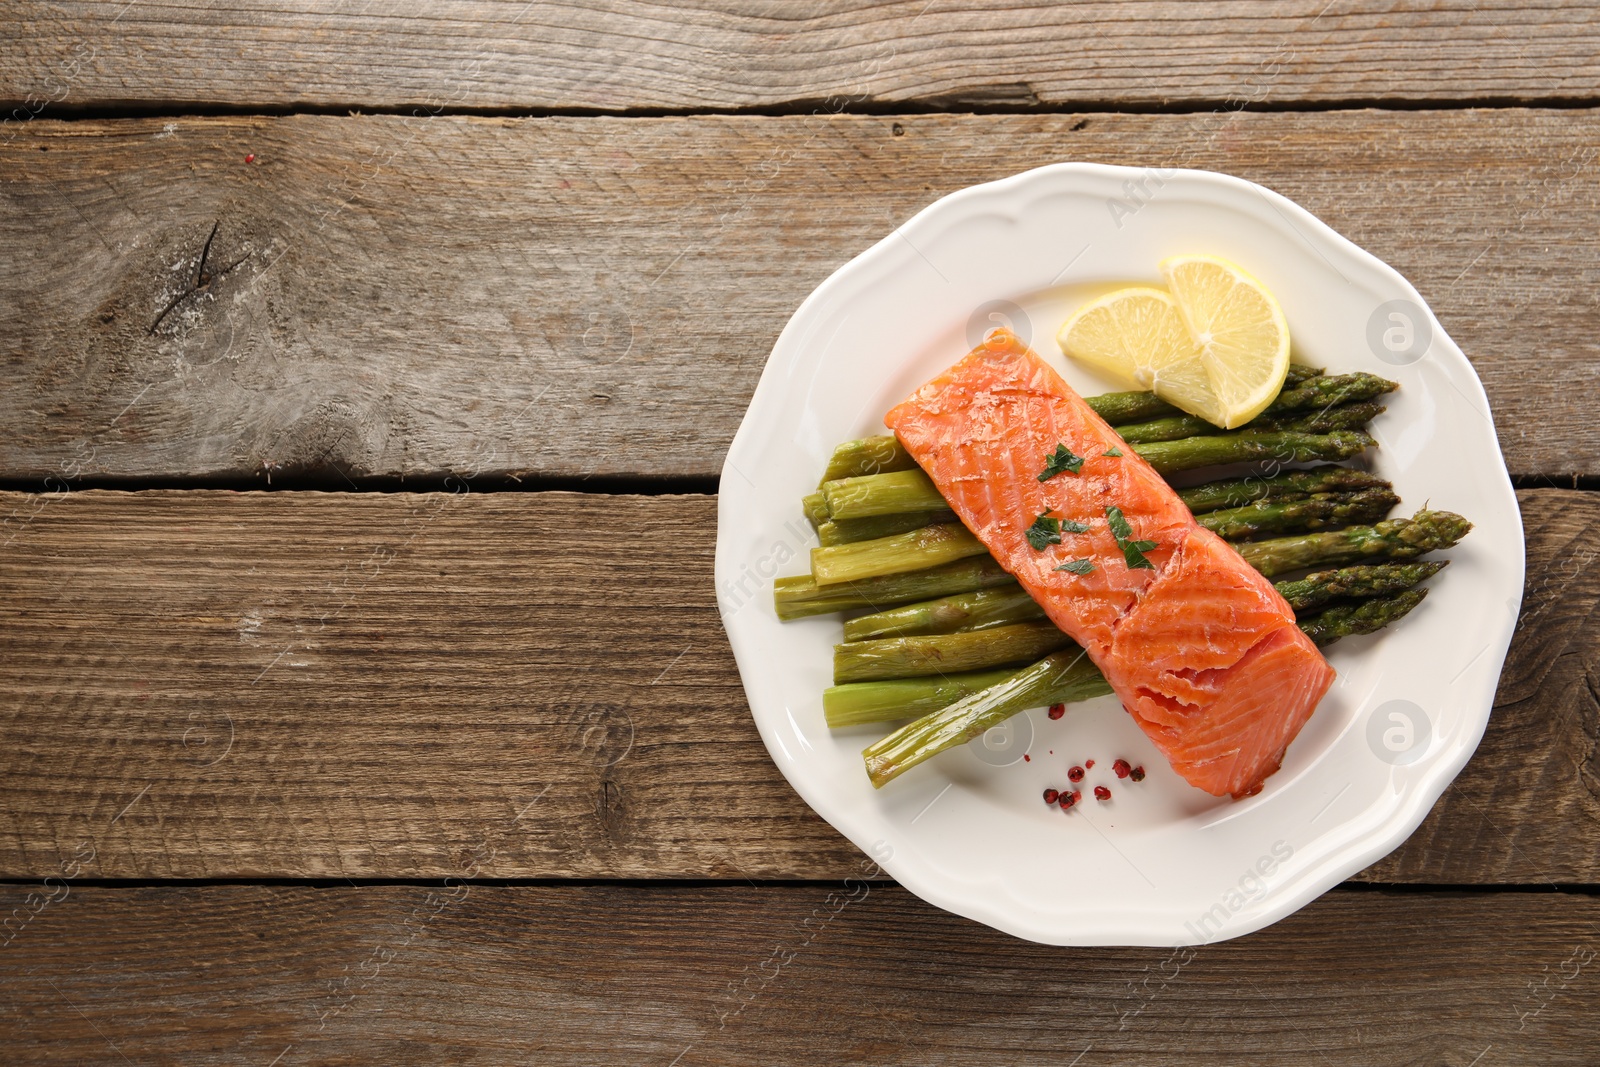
x,y
1540,754
622,54
841,974
234,685
596,297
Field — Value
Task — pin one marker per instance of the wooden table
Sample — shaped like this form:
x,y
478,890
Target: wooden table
x,y
369,367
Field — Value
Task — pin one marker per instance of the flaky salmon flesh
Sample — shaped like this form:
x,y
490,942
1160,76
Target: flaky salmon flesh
x,y
1199,646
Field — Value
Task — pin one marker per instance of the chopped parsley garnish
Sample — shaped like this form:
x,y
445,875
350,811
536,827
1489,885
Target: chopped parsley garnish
x,y
1058,461
1132,551
1047,531
1044,532
1077,566
1119,524
1113,452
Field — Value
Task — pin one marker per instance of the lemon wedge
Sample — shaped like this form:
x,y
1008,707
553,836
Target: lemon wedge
x,y
1138,336
1240,331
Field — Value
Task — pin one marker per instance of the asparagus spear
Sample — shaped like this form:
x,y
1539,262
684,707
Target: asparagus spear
x,y
913,550
1288,516
1044,682
800,596
849,531
1331,390
1177,427
862,702
1291,485
882,494
1119,409
969,650
929,546
869,455
911,656
1361,581
883,453
1362,617
1390,539
1067,676
964,611
1326,420
1395,539
901,491
1005,605
1298,373
1304,388
1170,428
815,506
1284,446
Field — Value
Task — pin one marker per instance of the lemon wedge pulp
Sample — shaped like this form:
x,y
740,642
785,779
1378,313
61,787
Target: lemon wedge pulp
x,y
1240,329
1215,343
1138,336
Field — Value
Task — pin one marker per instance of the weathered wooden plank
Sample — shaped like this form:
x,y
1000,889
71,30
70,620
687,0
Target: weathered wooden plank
x,y
843,973
1539,755
571,297
221,685
624,54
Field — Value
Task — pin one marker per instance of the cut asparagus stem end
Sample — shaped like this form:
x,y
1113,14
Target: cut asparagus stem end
x,y
860,703
966,650
815,506
900,553
869,455
882,494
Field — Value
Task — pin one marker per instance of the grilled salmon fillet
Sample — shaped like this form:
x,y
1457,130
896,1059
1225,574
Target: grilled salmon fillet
x,y
1199,646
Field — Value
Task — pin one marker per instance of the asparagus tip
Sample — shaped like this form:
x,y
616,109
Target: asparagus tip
x,y
1355,620
1429,530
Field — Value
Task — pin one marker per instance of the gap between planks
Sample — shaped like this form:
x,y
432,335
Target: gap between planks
x,y
192,109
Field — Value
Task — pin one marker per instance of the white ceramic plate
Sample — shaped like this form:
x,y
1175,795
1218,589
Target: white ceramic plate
x,y
1161,863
